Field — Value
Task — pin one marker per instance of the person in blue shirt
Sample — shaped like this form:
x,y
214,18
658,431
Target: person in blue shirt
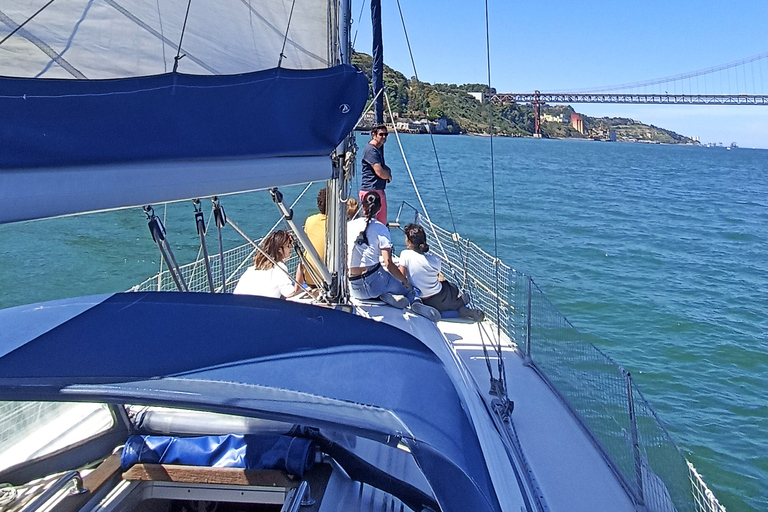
x,y
375,173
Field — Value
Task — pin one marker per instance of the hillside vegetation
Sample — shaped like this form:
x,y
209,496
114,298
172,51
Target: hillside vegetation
x,y
414,99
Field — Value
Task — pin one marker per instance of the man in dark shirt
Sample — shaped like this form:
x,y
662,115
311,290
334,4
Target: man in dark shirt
x,y
375,174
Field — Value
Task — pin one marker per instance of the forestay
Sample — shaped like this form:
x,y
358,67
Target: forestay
x,y
259,99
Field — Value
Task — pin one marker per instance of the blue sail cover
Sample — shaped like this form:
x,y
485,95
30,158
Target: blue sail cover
x,y
278,112
251,356
84,145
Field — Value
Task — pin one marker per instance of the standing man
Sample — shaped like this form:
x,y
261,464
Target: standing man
x,y
375,174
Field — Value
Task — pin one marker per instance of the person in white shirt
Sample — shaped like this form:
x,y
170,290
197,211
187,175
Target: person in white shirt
x,y
367,241
269,276
423,271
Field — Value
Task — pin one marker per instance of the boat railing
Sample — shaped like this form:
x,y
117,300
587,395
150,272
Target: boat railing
x,y
236,261
600,393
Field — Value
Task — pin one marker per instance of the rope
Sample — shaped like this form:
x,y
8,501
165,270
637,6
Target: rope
x,y
362,7
285,39
413,182
431,135
201,230
493,194
25,22
262,251
160,271
178,56
368,108
226,279
158,232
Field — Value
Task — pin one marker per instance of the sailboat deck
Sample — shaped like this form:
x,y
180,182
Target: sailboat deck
x,y
556,452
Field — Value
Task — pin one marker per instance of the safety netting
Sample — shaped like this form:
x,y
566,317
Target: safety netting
x,y
600,393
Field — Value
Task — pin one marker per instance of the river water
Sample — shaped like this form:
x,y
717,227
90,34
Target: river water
x,y
660,253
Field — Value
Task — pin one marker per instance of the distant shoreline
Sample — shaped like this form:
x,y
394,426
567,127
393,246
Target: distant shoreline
x,y
580,139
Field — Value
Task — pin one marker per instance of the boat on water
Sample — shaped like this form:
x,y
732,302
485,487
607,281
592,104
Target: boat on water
x,y
157,401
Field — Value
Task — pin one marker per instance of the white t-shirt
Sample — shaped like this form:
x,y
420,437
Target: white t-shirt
x,y
366,255
422,271
267,283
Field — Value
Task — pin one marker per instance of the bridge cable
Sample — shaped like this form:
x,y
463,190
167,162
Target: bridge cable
x,y
675,78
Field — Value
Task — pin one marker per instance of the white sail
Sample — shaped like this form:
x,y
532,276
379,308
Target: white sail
x,y
95,39
259,99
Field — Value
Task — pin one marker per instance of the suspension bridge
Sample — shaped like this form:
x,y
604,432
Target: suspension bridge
x,y
737,83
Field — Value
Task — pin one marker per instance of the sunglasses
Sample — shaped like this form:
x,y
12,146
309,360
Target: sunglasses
x,y
382,134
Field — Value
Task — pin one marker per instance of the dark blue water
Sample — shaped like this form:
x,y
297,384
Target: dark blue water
x,y
659,252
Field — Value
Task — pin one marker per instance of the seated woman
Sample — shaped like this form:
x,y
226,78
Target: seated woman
x,y
423,271
315,227
367,240
266,278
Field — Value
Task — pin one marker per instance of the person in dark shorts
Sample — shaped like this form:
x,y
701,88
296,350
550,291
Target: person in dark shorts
x,y
422,270
375,174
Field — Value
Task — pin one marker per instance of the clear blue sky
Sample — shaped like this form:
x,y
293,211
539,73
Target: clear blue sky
x,y
565,45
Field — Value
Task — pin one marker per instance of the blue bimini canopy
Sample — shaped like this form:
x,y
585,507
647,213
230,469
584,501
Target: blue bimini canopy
x,y
251,356
72,146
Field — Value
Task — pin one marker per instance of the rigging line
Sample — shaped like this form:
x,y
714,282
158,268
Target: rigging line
x,y
252,11
125,12
368,108
413,182
362,8
26,21
227,279
68,45
181,38
493,191
160,272
262,251
43,47
431,135
285,39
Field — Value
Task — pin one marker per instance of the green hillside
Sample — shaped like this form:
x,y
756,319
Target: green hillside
x,y
413,99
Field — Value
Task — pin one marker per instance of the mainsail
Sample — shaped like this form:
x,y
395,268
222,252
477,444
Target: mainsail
x,y
116,103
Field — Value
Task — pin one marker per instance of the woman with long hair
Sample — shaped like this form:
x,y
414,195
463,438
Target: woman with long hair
x,y
367,241
422,269
269,276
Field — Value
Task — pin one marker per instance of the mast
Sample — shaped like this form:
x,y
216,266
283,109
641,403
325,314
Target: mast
x,y
337,188
377,65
